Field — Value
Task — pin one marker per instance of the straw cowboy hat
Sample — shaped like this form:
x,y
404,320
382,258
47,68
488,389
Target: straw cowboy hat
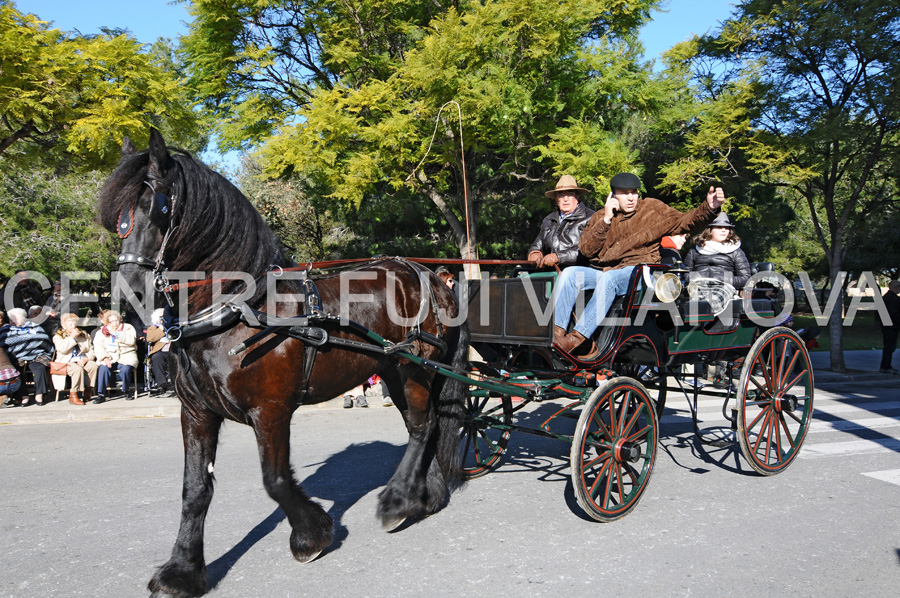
x,y
566,183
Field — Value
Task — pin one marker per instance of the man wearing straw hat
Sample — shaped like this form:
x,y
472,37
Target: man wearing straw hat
x,y
625,234
557,242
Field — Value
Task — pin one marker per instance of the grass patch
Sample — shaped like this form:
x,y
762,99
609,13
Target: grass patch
x,y
864,334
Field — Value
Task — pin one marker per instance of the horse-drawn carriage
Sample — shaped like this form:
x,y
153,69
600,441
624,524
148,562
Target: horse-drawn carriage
x,y
245,352
652,339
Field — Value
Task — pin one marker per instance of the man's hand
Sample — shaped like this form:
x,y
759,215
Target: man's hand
x,y
550,260
536,258
715,197
609,210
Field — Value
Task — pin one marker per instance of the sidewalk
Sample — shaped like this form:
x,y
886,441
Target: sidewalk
x,y
117,407
862,366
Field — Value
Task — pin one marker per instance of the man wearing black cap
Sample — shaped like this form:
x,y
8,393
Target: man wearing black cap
x,y
627,232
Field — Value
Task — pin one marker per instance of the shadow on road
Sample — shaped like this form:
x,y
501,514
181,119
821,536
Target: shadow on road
x,y
344,477
219,568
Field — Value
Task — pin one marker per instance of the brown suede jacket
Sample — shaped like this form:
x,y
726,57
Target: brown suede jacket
x,y
632,239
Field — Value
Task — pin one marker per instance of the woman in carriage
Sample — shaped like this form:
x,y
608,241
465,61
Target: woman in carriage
x,y
717,254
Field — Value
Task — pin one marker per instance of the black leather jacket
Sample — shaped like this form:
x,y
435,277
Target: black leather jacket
x,y
562,239
719,265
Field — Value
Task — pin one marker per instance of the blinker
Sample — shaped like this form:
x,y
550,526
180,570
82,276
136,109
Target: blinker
x,y
126,221
159,211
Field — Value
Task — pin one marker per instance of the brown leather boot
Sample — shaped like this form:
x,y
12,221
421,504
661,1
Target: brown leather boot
x,y
558,335
86,395
571,341
74,398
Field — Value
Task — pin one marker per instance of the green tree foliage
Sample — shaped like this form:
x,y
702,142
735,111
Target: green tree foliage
x,y
68,100
801,97
308,231
48,224
66,103
350,97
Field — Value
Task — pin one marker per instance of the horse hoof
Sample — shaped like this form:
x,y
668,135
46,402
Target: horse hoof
x,y
390,525
305,559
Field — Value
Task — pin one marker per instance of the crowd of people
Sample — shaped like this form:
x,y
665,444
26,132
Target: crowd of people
x,y
61,355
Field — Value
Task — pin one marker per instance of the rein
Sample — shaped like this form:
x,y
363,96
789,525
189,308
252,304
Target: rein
x,y
344,262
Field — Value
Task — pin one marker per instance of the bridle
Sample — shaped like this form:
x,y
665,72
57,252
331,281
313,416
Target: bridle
x,y
162,209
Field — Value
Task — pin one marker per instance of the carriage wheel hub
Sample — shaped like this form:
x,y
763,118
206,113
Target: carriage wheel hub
x,y
786,403
625,450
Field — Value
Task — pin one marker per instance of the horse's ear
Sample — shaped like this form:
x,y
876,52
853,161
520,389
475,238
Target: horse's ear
x,y
158,153
127,147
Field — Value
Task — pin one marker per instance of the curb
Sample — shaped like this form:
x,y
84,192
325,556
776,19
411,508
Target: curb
x,y
827,376
146,407
115,409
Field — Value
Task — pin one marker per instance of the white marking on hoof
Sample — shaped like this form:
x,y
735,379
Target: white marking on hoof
x,y
390,525
308,558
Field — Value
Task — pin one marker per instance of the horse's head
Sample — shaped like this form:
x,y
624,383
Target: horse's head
x,y
138,202
175,215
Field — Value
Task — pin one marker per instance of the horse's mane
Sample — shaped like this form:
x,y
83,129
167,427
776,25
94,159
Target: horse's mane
x,y
218,228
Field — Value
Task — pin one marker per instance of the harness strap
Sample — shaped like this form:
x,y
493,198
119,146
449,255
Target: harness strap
x,y
212,320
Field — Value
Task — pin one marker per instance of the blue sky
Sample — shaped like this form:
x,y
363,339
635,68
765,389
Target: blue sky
x,y
151,19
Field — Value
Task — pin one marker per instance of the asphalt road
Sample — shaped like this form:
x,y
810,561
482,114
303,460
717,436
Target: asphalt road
x,y
90,509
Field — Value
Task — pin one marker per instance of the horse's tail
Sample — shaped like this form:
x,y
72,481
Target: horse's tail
x,y
451,399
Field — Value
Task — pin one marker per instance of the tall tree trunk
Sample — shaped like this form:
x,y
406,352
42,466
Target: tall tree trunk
x,y
836,321
467,243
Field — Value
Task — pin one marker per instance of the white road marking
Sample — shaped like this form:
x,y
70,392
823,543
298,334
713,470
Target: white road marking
x,y
843,425
892,476
850,447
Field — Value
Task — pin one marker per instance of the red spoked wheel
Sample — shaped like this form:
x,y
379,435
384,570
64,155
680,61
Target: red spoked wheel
x,y
614,449
774,400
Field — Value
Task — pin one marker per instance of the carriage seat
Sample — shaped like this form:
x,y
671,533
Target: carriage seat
x,y
757,267
667,260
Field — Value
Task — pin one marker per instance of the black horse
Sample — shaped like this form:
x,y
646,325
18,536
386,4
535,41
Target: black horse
x,y
175,214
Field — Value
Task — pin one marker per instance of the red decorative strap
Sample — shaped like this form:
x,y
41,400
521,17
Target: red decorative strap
x,y
126,221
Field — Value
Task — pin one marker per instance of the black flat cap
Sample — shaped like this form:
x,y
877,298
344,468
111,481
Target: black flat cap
x,y
625,180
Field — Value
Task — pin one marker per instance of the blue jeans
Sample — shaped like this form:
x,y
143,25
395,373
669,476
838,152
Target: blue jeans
x,y
125,374
573,280
10,388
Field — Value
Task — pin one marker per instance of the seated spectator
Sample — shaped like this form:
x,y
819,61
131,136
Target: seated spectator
x,y
158,353
54,301
27,293
50,321
115,346
10,377
74,348
557,241
717,254
31,347
4,328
